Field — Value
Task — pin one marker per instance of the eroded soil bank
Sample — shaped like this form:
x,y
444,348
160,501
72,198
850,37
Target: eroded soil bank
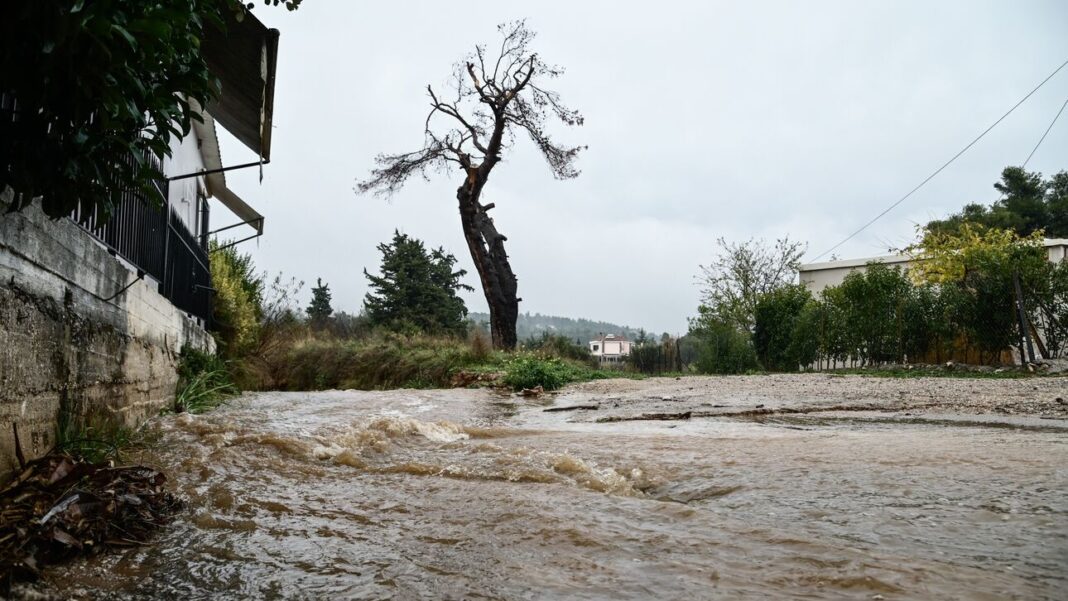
x,y
783,487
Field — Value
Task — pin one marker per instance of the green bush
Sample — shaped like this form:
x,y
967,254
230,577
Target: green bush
x,y
527,370
555,345
722,349
237,306
806,339
1052,303
875,300
204,381
878,316
776,315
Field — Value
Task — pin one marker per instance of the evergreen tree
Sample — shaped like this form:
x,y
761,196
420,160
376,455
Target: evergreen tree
x,y
319,309
416,289
1028,204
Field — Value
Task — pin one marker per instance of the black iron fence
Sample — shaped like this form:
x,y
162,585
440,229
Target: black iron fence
x,y
136,230
187,277
146,232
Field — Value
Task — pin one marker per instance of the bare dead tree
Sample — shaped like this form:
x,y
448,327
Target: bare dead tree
x,y
492,100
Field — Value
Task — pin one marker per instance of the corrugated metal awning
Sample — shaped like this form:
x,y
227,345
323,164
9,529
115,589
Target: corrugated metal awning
x,y
243,58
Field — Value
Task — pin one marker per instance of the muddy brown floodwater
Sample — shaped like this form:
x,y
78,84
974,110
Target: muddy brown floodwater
x,y
867,490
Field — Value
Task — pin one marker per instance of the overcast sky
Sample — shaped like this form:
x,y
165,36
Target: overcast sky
x,y
703,120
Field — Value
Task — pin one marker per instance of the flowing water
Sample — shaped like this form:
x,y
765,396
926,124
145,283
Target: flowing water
x,y
465,494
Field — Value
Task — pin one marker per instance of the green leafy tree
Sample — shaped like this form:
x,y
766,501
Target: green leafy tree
x,y
806,340
840,341
721,347
776,317
99,86
980,263
875,303
1028,204
929,320
319,310
1057,205
417,289
743,272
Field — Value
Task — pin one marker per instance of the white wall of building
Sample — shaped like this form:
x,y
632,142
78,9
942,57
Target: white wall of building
x,y
1057,249
184,193
817,276
609,347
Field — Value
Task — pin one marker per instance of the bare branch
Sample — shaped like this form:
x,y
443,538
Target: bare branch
x,y
394,169
452,111
489,109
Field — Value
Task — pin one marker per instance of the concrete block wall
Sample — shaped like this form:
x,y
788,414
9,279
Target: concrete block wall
x,y
66,351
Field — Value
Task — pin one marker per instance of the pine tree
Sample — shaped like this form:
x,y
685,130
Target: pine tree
x,y
319,309
416,289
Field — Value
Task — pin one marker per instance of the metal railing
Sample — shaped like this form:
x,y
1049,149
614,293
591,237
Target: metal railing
x,y
136,230
147,233
187,277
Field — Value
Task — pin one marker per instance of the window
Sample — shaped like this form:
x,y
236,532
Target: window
x,y
596,347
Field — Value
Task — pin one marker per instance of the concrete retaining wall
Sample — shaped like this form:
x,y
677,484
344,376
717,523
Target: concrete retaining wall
x,y
66,351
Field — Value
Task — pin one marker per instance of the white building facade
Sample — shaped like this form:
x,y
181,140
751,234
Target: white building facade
x,y
610,348
817,276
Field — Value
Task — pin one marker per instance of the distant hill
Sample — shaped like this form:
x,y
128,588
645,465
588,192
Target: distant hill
x,y
583,330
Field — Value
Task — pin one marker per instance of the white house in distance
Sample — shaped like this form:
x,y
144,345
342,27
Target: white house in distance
x,y
817,276
609,348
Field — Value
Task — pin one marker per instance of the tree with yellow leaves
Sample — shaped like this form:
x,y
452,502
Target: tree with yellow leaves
x,y
981,263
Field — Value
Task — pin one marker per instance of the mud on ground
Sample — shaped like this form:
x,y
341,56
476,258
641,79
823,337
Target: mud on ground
x,y
738,396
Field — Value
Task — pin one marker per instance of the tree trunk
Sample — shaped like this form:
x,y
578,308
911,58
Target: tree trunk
x,y
491,261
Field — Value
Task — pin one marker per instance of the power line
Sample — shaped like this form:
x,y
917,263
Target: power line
x,y
1043,138
947,164
1035,149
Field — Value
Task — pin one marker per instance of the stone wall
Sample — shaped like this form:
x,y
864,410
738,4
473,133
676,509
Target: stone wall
x,y
71,350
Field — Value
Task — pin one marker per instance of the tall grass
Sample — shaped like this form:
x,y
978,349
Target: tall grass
x,y
388,360
204,381
383,361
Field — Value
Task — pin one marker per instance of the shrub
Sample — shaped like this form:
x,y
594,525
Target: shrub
x,y
204,381
529,370
237,306
722,349
776,315
481,346
555,345
874,311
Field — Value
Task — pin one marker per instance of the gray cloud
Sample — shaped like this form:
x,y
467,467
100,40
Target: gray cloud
x,y
704,119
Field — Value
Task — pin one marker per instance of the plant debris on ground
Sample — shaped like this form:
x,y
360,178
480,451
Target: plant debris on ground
x,y
59,507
